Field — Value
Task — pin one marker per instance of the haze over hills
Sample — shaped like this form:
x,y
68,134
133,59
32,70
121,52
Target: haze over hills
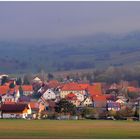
x,y
94,51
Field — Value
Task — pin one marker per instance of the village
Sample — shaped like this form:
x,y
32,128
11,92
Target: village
x,y
68,99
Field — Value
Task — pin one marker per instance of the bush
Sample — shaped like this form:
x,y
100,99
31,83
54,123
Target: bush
x,y
124,113
93,113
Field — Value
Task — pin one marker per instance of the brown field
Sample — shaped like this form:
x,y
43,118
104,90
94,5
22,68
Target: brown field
x,y
69,129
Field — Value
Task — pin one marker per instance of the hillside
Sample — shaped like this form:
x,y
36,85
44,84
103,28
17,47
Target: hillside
x,y
95,51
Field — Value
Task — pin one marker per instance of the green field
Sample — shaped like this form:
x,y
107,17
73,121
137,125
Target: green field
x,y
69,129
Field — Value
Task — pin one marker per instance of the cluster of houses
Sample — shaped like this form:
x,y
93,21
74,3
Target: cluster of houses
x,y
17,104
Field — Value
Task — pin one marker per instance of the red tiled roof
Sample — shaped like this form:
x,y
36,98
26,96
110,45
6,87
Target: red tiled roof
x,y
34,105
27,88
72,87
53,84
71,96
99,98
95,89
133,89
83,85
4,89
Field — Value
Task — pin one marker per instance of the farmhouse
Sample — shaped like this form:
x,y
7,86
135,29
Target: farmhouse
x,y
15,110
71,87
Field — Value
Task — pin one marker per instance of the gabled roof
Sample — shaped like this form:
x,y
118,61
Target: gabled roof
x,y
72,87
99,98
133,89
95,89
36,79
27,87
53,84
34,105
5,89
84,85
13,107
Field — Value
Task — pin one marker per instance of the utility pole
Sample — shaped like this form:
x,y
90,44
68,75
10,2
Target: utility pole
x,y
139,109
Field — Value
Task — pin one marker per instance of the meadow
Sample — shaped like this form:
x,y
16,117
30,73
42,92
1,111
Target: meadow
x,y
85,129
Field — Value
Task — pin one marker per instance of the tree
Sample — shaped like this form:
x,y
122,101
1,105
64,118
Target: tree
x,y
20,91
12,85
26,80
4,80
19,81
133,95
64,106
50,76
112,113
93,113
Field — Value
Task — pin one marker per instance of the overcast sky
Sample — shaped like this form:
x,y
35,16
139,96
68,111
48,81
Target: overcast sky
x,y
66,19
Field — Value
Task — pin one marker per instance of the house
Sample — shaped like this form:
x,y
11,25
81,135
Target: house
x,y
95,89
37,80
7,98
12,95
4,89
87,102
49,95
27,90
53,84
121,102
36,108
3,75
72,98
71,87
99,101
79,96
111,105
133,89
15,110
24,98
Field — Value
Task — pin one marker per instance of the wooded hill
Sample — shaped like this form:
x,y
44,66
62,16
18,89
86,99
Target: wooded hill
x,y
86,52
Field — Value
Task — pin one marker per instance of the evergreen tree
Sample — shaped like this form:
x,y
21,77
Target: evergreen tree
x,y
12,85
50,76
4,80
19,81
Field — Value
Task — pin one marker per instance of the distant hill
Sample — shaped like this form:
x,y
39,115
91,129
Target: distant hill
x,y
95,51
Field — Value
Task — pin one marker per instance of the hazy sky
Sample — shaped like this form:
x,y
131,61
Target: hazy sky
x,y
66,19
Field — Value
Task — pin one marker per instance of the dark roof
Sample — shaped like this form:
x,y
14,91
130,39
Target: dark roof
x,y
13,107
25,99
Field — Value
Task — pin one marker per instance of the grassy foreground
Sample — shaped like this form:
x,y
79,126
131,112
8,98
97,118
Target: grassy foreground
x,y
69,129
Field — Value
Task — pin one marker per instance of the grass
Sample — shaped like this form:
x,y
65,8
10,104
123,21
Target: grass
x,y
69,129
